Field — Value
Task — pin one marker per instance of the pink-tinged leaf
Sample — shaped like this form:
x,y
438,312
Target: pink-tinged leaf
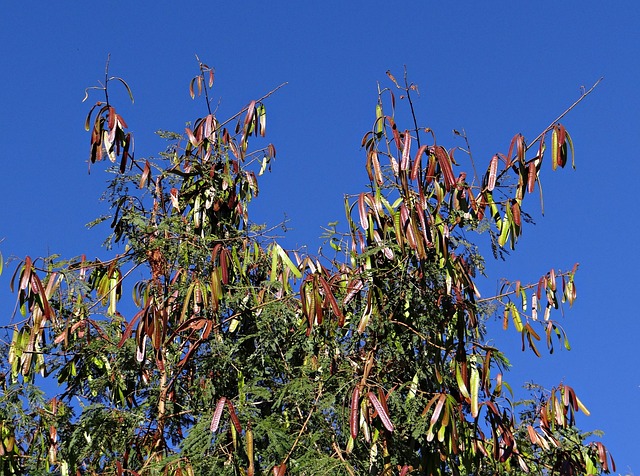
x,y
191,91
384,416
210,77
122,122
542,284
531,177
262,119
25,275
280,470
354,415
383,399
517,144
173,196
112,117
215,421
552,280
431,168
492,173
355,286
415,169
515,213
44,301
377,170
272,151
394,130
562,146
248,119
445,165
191,137
394,166
328,294
145,174
406,152
438,409
364,218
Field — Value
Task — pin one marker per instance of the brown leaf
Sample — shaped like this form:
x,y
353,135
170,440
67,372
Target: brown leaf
x,y
392,78
234,416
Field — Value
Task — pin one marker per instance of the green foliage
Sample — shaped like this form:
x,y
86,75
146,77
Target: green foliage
x,y
236,357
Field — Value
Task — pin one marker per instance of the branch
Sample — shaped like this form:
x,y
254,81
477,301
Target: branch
x,y
247,107
566,111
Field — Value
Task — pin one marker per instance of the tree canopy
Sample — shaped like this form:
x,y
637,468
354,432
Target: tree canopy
x,y
235,356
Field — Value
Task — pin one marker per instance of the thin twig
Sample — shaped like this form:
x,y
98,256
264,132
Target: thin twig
x,y
549,127
578,101
247,107
413,112
304,426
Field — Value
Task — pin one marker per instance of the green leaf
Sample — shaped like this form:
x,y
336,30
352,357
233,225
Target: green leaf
x,y
517,320
287,261
461,385
573,158
474,382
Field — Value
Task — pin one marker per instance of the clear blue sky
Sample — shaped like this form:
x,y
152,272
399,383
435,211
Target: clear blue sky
x,y
491,68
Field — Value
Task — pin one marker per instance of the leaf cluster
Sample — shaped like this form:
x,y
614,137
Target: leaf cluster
x,y
235,356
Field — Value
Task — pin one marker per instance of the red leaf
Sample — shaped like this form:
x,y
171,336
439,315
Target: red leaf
x,y
415,170
445,165
354,416
234,416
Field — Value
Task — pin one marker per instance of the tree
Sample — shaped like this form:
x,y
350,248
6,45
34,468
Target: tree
x,y
236,356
